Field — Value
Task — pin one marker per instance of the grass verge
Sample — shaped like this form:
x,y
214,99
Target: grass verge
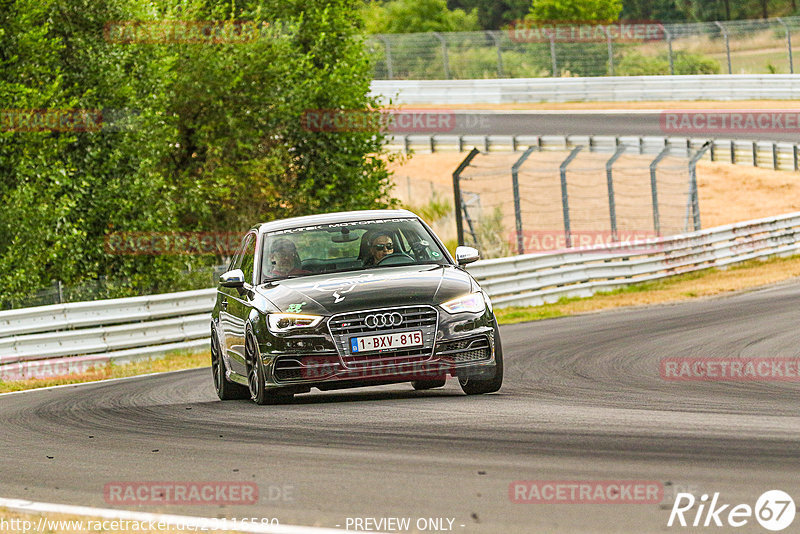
x,y
171,362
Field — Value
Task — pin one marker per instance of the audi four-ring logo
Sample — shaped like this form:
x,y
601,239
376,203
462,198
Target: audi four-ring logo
x,y
383,320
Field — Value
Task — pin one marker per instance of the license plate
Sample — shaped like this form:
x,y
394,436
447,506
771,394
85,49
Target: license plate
x,y
386,341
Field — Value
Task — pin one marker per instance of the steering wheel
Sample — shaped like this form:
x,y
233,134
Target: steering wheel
x,y
396,258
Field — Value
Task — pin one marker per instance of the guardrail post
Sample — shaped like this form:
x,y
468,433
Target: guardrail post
x,y
564,197
733,152
553,55
755,153
612,207
500,73
459,206
486,144
794,156
788,44
389,65
727,44
445,59
461,143
406,144
654,188
693,201
513,143
517,206
433,144
712,151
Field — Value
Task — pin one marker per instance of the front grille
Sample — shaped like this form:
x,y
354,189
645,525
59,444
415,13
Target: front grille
x,y
465,350
347,325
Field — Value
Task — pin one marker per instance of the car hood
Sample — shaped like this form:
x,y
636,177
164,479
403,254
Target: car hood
x,y
374,288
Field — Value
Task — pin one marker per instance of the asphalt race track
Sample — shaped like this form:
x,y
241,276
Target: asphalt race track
x,y
583,400
614,122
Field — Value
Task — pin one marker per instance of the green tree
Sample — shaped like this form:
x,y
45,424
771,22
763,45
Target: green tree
x,y
417,16
494,14
575,10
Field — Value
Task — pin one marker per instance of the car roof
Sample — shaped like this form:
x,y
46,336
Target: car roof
x,y
329,218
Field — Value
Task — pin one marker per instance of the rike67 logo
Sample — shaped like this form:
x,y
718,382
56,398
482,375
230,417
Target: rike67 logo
x,y
774,510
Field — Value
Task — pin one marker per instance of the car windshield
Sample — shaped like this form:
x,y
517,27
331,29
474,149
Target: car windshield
x,y
351,246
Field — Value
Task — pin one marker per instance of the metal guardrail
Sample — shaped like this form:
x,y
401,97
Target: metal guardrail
x,y
125,329
766,154
533,279
590,89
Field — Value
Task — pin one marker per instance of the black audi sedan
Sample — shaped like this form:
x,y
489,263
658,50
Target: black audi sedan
x,y
346,300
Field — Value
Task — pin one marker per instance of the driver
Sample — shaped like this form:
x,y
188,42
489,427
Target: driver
x,y
380,246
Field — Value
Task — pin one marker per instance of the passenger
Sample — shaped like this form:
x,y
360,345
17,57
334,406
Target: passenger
x,y
284,259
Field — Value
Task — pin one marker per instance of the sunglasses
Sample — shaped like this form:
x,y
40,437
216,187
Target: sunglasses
x,y
387,246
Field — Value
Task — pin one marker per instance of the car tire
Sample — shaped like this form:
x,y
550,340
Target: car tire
x,y
474,386
226,390
256,376
420,385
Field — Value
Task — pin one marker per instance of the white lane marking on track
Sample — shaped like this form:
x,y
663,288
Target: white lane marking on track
x,y
20,505
99,381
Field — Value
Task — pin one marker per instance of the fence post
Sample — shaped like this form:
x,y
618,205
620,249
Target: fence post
x,y
457,193
669,51
445,59
517,207
612,207
727,44
500,73
610,53
553,55
788,44
564,197
654,188
389,65
693,202
60,288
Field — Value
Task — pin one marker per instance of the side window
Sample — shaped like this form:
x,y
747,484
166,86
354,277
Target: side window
x,y
247,258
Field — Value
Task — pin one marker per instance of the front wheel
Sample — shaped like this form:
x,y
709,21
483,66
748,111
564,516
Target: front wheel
x,y
256,376
226,390
475,386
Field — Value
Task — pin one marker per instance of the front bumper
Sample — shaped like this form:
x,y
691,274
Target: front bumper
x,y
460,345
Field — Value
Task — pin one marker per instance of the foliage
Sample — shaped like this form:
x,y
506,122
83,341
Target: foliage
x,y
209,136
575,11
417,16
637,64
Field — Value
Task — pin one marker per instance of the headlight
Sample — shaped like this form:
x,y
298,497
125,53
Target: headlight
x,y
284,322
473,303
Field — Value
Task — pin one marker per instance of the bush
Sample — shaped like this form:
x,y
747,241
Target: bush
x,y
637,64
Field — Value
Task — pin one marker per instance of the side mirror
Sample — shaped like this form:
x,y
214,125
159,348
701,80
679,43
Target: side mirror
x,y
234,278
465,255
